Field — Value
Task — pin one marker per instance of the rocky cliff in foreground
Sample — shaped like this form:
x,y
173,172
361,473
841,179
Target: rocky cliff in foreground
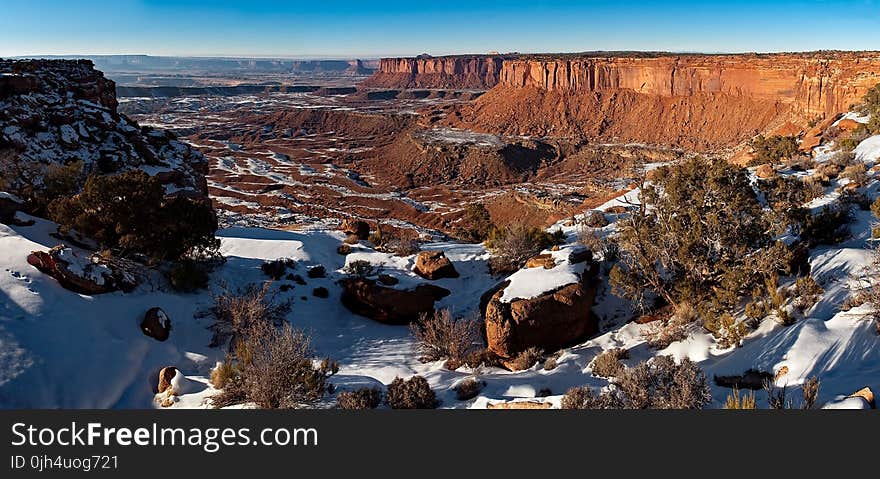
x,y
56,113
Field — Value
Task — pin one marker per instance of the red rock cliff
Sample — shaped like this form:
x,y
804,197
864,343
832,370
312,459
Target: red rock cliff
x,y
453,72
699,102
812,83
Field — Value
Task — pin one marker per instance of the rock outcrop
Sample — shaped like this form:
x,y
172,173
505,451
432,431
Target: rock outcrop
x,y
83,275
550,321
449,72
63,112
366,297
434,265
9,205
156,324
166,375
700,102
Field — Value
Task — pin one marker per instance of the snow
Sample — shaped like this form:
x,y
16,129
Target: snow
x,y
532,282
868,150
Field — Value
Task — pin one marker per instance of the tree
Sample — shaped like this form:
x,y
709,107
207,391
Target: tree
x,y
129,213
697,237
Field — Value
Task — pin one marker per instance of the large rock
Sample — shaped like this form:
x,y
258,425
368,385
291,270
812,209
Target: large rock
x,y
166,375
389,305
358,228
551,321
82,275
156,324
434,265
9,205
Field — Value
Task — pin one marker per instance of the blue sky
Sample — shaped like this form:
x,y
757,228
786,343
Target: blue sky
x,y
326,28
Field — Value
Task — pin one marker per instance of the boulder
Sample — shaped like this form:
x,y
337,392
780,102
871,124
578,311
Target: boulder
x,y
9,205
765,171
580,255
91,275
848,124
866,394
434,265
545,261
321,292
156,324
344,249
389,305
317,271
166,375
550,321
357,228
388,280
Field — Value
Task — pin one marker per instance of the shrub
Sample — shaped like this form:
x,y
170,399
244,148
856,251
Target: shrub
x,y
857,173
608,363
274,369
360,268
476,223
773,149
221,374
364,398
875,207
830,226
726,329
550,363
810,392
664,251
660,334
277,268
512,246
412,393
468,389
807,292
734,401
441,336
659,383
595,219
130,214
526,359
241,311
188,275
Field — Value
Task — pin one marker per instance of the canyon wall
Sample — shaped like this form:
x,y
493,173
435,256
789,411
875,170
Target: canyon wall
x,y
812,84
453,72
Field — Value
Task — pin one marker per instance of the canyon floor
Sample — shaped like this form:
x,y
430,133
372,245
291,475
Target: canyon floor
x,y
287,168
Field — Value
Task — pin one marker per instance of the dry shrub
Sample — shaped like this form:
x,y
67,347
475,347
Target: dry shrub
x,y
276,269
550,364
360,268
364,398
221,374
525,359
608,363
468,389
441,336
659,383
660,334
512,246
595,219
857,173
810,392
274,369
237,312
726,329
807,293
735,401
412,393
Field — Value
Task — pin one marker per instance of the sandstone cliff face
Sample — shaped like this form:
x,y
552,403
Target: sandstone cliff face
x,y
697,102
458,72
811,84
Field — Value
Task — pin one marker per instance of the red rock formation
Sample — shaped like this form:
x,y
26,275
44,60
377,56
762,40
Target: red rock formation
x,y
454,72
700,102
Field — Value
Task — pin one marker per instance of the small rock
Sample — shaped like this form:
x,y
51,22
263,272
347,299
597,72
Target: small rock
x,y
765,171
165,377
344,249
357,228
321,292
434,265
866,394
317,271
299,280
580,255
388,280
156,324
545,261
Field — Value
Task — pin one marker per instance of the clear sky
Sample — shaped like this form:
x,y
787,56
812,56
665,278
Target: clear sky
x,y
343,28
